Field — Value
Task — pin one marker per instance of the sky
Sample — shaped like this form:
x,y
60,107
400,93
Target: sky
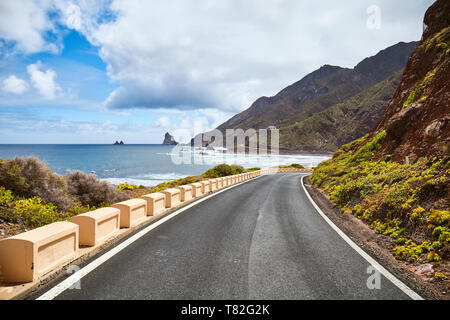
x,y
95,72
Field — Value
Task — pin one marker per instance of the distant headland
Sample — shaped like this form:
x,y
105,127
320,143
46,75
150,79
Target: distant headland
x,y
118,143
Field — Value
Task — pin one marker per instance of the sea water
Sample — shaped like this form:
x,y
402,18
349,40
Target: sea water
x,y
146,165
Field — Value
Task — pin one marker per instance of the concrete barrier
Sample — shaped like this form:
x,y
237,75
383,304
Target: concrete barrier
x,y
173,197
212,185
156,203
205,186
225,181
196,189
29,255
220,183
132,212
97,226
186,192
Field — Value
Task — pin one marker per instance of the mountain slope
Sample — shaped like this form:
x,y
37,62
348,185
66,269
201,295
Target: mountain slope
x,y
341,123
396,178
320,90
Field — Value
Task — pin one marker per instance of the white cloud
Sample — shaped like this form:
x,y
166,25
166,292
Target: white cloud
x,y
44,81
15,85
163,122
202,54
199,54
73,19
25,22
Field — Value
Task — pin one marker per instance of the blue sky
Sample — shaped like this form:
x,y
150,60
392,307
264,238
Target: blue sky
x,y
96,72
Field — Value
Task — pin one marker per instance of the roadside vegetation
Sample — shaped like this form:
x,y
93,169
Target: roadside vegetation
x,y
407,202
292,166
32,195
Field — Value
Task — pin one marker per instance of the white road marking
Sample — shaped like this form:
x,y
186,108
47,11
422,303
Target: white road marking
x,y
74,278
408,291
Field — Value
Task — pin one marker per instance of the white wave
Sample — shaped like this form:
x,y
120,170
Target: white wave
x,y
246,160
146,180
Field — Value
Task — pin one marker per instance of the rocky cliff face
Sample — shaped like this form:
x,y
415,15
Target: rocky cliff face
x,y
417,120
169,140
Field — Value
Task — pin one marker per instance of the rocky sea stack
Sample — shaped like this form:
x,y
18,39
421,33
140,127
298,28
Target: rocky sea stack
x,y
169,140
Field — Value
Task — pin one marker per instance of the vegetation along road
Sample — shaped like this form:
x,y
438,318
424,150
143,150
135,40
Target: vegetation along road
x,y
263,239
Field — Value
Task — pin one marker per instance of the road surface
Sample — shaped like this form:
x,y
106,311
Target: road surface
x,y
259,240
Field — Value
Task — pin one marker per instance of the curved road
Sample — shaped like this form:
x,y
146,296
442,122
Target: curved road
x,y
260,240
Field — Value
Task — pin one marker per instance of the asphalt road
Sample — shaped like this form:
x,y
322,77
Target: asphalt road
x,y
260,240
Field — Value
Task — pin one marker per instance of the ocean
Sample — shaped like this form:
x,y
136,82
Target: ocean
x,y
146,165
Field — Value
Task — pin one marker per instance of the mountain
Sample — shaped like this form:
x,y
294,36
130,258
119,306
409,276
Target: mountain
x,y
169,140
343,122
320,90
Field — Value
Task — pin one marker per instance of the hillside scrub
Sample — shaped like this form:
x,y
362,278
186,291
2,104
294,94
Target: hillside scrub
x,y
408,202
91,191
32,195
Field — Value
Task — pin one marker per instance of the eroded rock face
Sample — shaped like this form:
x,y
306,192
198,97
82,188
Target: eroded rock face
x,y
169,140
417,118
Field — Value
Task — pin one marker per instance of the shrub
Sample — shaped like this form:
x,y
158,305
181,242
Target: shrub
x,y
439,218
297,166
368,150
419,216
344,192
433,257
175,183
35,213
6,197
223,170
29,177
252,169
126,186
91,191
439,275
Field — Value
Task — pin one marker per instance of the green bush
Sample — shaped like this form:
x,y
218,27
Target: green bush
x,y
6,197
126,186
223,170
438,217
35,213
368,151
